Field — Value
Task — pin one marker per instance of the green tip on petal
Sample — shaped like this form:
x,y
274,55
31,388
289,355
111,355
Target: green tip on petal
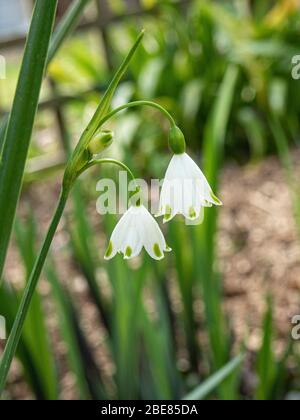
x,y
168,213
168,249
215,198
109,250
128,252
192,213
157,251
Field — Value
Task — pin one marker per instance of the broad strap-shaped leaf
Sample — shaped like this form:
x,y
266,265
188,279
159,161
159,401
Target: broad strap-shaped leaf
x,y
20,124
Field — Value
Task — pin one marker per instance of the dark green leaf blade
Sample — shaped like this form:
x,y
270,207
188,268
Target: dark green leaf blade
x,y
20,124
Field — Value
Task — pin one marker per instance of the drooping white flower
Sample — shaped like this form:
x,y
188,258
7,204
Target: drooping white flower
x,y
135,230
185,190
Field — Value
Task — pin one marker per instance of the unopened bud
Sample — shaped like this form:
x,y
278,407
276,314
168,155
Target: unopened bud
x,y
101,141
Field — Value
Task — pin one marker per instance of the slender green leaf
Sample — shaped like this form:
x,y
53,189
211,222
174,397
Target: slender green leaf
x,y
160,358
20,124
266,364
35,330
82,242
68,333
215,136
183,261
66,26
3,126
15,334
9,301
215,380
282,144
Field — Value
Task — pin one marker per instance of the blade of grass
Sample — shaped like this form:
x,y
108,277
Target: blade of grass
x,y
282,144
282,378
68,333
128,326
159,339
16,331
20,124
82,242
160,357
213,155
214,140
215,380
127,285
185,279
2,133
9,301
168,341
255,132
35,331
66,26
63,30
266,364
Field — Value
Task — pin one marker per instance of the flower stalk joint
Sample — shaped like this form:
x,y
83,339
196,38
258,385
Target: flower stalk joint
x,y
176,140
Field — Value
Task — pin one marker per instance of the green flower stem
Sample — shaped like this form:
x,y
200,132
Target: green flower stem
x,y
136,104
74,167
16,331
113,162
110,161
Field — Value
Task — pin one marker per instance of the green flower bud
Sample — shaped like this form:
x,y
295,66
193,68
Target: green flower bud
x,y
101,141
177,140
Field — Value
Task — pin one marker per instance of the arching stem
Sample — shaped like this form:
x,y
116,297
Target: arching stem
x,y
137,104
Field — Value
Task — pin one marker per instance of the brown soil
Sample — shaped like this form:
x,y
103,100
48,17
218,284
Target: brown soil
x,y
259,249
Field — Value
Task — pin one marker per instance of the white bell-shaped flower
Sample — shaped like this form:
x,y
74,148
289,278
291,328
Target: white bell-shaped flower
x,y
135,230
185,190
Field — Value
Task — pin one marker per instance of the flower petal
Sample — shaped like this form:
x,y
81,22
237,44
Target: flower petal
x,y
137,228
133,242
185,190
153,238
118,236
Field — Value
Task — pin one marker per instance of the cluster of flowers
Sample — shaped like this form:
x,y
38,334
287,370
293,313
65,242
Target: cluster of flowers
x,y
137,228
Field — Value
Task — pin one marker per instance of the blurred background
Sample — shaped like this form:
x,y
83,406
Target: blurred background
x,y
227,72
